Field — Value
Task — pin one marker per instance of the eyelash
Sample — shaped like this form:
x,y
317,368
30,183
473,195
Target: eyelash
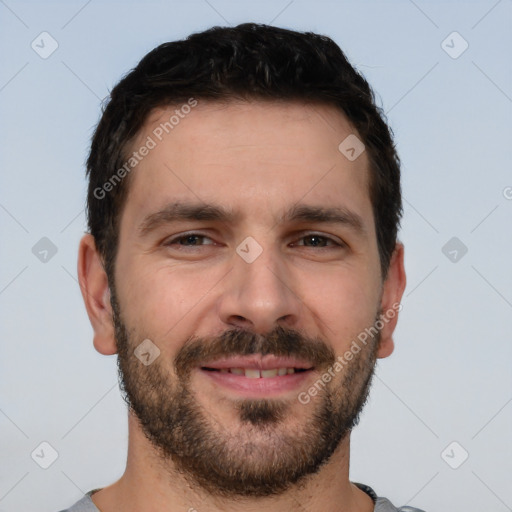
x,y
176,239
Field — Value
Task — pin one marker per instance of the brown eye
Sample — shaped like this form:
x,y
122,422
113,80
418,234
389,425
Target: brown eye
x,y
315,241
189,240
318,241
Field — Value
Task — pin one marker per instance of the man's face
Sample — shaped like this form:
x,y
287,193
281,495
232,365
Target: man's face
x,y
248,291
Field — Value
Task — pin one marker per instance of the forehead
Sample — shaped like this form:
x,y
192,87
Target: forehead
x,y
253,157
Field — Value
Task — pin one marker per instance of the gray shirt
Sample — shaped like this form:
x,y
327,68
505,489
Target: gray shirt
x,y
381,504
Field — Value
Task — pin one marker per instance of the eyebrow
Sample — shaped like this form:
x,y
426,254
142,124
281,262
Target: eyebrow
x,y
181,211
190,211
325,215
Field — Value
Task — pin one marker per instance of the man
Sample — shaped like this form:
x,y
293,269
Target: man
x,y
242,261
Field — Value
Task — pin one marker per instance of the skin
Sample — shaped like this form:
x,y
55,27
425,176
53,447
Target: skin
x,y
256,158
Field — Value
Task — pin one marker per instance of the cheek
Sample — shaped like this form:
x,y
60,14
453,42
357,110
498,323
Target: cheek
x,y
345,304
157,298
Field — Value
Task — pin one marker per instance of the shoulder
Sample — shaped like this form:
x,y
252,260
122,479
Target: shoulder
x,y
84,505
383,504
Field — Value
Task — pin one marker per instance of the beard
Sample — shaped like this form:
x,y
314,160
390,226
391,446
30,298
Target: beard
x,y
264,452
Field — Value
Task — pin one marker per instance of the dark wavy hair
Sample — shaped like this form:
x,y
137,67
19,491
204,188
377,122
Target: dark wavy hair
x,y
248,62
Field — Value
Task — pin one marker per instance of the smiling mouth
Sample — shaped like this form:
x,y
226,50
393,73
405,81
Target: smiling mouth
x,y
255,373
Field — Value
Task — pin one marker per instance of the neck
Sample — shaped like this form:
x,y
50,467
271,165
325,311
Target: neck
x,y
149,484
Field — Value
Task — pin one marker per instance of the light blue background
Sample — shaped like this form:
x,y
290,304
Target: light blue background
x,y
450,376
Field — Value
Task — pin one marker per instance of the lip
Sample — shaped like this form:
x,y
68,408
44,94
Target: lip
x,y
240,385
258,362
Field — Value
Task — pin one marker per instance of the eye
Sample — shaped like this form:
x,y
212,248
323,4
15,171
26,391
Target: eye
x,y
189,240
315,240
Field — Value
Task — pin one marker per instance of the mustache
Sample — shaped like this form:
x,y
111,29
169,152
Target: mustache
x,y
280,341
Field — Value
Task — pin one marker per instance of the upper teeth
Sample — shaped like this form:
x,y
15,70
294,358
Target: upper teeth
x,y
252,373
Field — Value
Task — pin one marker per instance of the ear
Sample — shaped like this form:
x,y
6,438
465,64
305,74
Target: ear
x,y
96,294
392,291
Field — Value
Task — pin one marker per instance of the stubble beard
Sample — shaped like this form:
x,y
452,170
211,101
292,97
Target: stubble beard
x,y
264,453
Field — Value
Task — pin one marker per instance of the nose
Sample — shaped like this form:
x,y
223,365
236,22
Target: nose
x,y
259,296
